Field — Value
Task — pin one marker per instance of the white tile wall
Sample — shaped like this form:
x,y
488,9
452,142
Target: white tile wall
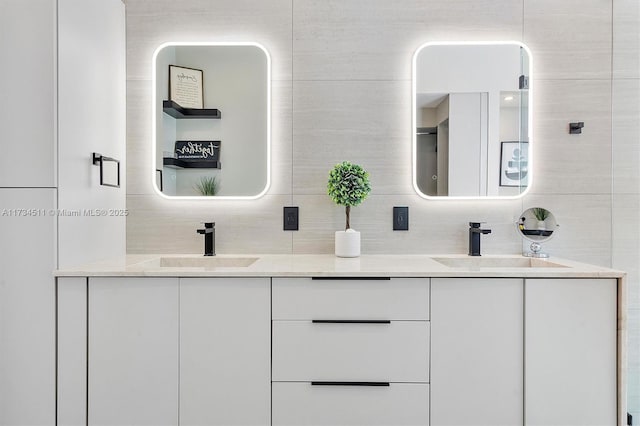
x,y
157,225
566,163
375,39
571,39
585,225
626,39
341,91
365,122
151,23
626,135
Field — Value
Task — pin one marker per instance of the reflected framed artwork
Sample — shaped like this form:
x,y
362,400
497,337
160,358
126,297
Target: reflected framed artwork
x,y
514,163
185,86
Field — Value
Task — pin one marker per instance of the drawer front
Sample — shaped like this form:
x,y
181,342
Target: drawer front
x,y
393,352
387,299
302,404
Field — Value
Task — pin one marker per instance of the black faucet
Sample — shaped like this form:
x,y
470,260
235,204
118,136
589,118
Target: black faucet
x,y
474,238
209,232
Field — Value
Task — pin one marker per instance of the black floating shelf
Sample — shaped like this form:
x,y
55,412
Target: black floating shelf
x,y
176,111
176,163
540,232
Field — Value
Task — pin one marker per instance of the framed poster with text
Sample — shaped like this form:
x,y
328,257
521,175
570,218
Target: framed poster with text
x,y
185,87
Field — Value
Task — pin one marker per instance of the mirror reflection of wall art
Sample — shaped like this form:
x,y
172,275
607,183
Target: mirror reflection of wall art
x,y
468,97
206,95
514,164
185,86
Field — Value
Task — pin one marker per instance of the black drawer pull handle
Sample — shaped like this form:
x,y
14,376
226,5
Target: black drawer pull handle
x,y
351,321
353,278
349,383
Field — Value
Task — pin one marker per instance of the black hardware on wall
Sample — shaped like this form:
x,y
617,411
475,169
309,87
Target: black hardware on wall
x,y
401,218
576,128
99,160
160,179
629,420
523,82
290,219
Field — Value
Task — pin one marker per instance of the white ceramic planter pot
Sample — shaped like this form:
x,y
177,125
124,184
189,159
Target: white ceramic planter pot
x,y
348,243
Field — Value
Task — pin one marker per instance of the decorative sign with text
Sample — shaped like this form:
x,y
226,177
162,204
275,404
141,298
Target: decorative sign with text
x,y
185,87
198,150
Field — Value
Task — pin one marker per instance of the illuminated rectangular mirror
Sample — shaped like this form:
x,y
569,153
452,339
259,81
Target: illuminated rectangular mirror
x,y
211,120
471,120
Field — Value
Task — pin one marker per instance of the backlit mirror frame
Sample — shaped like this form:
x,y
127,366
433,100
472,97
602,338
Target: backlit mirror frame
x,y
414,79
153,174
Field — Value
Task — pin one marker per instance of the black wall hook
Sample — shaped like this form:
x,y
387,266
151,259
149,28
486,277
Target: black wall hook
x,y
576,128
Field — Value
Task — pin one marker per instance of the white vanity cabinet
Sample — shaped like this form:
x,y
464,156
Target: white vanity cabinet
x,y
165,351
347,351
225,351
350,351
133,351
476,351
570,351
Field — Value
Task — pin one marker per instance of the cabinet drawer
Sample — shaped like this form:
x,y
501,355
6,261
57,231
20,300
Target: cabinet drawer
x,y
302,404
397,351
388,299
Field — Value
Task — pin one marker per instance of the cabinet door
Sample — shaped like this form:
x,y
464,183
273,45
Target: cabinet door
x,y
225,351
570,351
27,306
476,351
91,118
28,122
133,351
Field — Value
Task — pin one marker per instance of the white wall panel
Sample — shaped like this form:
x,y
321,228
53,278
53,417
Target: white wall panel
x,y
91,117
28,46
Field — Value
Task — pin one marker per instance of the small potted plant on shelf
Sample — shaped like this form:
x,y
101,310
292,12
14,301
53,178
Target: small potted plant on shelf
x,y
208,185
348,186
541,215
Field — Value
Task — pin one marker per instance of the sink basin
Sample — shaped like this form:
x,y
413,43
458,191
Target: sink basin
x,y
496,262
209,262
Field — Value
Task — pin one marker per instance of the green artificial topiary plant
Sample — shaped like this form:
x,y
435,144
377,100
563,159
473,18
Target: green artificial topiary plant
x,y
348,186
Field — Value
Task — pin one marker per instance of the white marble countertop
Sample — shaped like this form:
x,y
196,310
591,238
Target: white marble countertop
x,y
308,265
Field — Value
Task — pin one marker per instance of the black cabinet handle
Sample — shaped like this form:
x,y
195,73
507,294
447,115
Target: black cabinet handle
x,y
353,278
351,321
349,383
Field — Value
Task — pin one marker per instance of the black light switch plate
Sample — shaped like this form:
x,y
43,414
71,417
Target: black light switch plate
x,y
401,218
290,219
